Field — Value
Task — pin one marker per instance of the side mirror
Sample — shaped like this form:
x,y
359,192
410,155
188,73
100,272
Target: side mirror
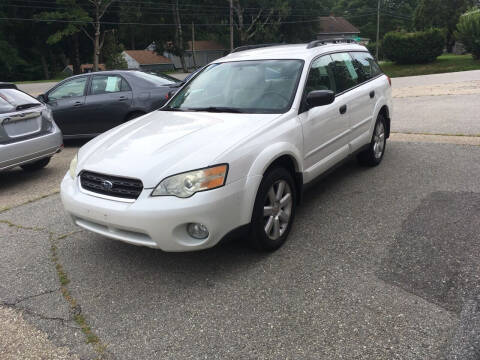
x,y
320,98
42,98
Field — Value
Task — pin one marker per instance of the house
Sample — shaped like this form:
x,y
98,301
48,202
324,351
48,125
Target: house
x,y
205,52
84,68
336,27
147,60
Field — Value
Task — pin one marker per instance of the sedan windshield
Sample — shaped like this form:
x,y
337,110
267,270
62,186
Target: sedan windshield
x,y
260,86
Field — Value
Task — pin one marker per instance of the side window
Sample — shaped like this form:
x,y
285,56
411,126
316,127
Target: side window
x,y
365,66
104,84
321,75
125,86
70,88
345,75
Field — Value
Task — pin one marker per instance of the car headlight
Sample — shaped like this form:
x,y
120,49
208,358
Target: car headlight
x,y
186,184
73,167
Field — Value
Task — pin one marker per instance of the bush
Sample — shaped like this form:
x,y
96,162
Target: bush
x,y
469,32
372,48
414,48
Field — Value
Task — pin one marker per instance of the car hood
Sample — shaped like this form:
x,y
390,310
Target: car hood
x,y
165,143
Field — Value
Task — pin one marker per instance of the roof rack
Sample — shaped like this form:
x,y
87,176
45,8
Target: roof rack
x,y
250,47
326,41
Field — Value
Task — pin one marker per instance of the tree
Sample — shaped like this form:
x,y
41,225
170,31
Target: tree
x,y
82,16
395,15
469,31
112,53
255,17
442,14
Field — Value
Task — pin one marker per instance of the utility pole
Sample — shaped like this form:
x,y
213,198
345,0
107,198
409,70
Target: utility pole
x,y
231,25
378,30
193,46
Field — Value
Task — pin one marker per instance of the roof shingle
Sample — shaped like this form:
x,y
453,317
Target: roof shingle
x,y
147,57
336,25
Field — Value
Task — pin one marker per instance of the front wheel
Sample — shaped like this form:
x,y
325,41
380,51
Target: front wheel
x,y
374,154
274,210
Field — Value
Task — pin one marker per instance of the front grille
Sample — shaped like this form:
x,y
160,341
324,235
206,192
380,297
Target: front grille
x,y
111,185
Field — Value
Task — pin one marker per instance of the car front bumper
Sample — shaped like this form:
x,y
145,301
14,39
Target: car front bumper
x,y
158,222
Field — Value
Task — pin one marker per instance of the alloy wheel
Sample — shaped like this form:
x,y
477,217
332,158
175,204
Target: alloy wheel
x,y
277,209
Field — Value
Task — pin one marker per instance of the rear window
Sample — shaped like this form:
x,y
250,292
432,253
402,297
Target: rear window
x,y
14,100
365,65
155,79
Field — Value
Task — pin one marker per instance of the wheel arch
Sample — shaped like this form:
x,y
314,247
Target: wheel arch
x,y
285,155
385,112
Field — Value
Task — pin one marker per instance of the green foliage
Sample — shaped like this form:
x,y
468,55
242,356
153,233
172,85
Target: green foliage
x,y
10,61
372,47
395,15
469,32
112,53
414,48
444,64
442,14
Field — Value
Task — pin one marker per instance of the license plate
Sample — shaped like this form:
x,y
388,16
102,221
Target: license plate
x,y
21,127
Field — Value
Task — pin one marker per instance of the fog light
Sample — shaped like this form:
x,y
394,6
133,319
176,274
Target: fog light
x,y
197,231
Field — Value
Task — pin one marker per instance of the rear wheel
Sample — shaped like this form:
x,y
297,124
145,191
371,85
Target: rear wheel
x,y
37,165
274,210
374,154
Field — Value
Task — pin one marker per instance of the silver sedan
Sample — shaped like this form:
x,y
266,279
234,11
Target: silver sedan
x,y
29,136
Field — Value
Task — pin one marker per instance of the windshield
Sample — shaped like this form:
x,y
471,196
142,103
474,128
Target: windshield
x,y
157,80
14,100
259,86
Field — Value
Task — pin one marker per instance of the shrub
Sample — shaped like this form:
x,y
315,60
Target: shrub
x,y
469,32
413,48
372,47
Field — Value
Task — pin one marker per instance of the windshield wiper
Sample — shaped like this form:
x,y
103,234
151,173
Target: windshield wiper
x,y
172,109
219,109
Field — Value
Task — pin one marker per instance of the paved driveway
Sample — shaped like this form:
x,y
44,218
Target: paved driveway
x,y
381,264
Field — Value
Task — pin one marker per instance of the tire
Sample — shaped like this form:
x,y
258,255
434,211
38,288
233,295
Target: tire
x,y
376,150
37,165
133,115
281,217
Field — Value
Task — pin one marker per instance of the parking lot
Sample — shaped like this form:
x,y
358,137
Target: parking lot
x,y
382,263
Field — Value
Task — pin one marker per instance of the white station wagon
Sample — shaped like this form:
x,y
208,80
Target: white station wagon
x,y
233,149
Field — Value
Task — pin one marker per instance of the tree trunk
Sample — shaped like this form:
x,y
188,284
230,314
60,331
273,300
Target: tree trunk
x,y
179,35
44,67
96,39
76,55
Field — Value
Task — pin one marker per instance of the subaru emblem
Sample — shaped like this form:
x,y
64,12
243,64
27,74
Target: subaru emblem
x,y
107,185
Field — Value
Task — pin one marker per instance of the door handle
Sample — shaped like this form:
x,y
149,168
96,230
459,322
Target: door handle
x,y
122,98
372,94
77,103
343,109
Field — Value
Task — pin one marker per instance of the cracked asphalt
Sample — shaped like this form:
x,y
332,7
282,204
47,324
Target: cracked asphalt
x,y
381,263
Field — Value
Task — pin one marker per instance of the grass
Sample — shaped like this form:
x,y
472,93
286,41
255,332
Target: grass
x,y
444,64
39,81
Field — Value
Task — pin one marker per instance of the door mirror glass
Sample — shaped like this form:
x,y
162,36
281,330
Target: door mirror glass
x,y
320,98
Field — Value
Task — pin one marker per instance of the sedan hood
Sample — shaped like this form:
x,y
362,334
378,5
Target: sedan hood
x,y
165,143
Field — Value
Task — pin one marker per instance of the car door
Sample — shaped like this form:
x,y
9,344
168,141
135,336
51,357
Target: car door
x,y
349,85
108,102
325,128
67,102
367,93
